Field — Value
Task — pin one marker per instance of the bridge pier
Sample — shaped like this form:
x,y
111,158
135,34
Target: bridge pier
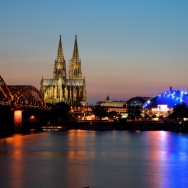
x,y
16,103
17,120
6,121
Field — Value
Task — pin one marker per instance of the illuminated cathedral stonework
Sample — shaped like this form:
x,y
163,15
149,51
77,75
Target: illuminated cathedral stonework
x,y
62,88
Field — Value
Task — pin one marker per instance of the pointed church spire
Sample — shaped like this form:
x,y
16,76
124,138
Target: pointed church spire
x,y
75,71
60,55
75,52
107,98
60,64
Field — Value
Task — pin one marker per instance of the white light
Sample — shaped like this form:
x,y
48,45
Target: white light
x,y
162,107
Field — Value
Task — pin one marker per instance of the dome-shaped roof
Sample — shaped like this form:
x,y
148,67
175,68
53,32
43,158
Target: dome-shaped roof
x,y
137,101
169,98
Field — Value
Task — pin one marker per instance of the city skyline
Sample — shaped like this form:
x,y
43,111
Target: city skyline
x,y
127,48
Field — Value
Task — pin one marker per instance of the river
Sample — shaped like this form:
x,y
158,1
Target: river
x,y
98,159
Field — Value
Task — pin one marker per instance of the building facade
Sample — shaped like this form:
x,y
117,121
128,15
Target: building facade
x,y
70,88
117,106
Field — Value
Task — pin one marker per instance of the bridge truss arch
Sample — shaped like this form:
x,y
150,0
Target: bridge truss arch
x,y
20,95
26,95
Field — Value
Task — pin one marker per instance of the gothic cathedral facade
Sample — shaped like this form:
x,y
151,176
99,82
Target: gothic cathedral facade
x,y
71,88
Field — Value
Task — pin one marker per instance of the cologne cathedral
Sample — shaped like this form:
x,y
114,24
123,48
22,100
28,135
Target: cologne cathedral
x,y
70,88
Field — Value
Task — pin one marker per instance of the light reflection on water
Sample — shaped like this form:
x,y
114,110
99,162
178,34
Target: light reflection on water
x,y
79,158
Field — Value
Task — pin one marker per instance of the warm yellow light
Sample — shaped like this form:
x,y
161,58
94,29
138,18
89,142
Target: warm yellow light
x,y
18,118
32,117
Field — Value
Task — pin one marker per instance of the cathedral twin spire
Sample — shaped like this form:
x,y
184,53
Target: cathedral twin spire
x,y
60,55
70,89
75,51
60,64
74,63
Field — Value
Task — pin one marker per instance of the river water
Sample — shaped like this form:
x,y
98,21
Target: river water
x,y
98,159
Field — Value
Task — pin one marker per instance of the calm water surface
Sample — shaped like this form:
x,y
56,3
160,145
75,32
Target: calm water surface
x,y
106,159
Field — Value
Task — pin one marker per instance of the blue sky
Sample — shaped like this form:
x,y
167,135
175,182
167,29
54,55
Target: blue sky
x,y
128,47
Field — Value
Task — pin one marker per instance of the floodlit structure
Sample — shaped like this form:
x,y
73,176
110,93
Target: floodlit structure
x,y
117,106
137,101
62,88
163,104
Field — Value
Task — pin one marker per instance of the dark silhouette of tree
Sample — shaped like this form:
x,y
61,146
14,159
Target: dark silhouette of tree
x,y
134,112
100,111
77,104
180,111
112,114
60,111
146,116
50,105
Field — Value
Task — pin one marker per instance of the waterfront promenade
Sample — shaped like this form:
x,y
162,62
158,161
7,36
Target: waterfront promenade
x,y
96,126
121,125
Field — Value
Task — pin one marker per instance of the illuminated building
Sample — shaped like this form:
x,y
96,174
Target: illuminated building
x,y
137,101
164,103
117,106
62,88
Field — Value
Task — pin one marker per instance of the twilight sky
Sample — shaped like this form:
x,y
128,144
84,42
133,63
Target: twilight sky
x,y
128,47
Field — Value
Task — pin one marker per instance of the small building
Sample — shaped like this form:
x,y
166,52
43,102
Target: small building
x,y
117,106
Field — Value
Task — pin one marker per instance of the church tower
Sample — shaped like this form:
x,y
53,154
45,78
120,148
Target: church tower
x,y
75,63
60,64
70,89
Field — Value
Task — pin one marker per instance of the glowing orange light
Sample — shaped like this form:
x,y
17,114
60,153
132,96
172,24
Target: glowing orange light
x,y
32,118
18,118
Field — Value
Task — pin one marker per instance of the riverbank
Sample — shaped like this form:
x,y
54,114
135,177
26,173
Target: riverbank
x,y
106,126
27,128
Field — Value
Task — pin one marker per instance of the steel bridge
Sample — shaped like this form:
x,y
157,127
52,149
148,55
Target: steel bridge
x,y
20,96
